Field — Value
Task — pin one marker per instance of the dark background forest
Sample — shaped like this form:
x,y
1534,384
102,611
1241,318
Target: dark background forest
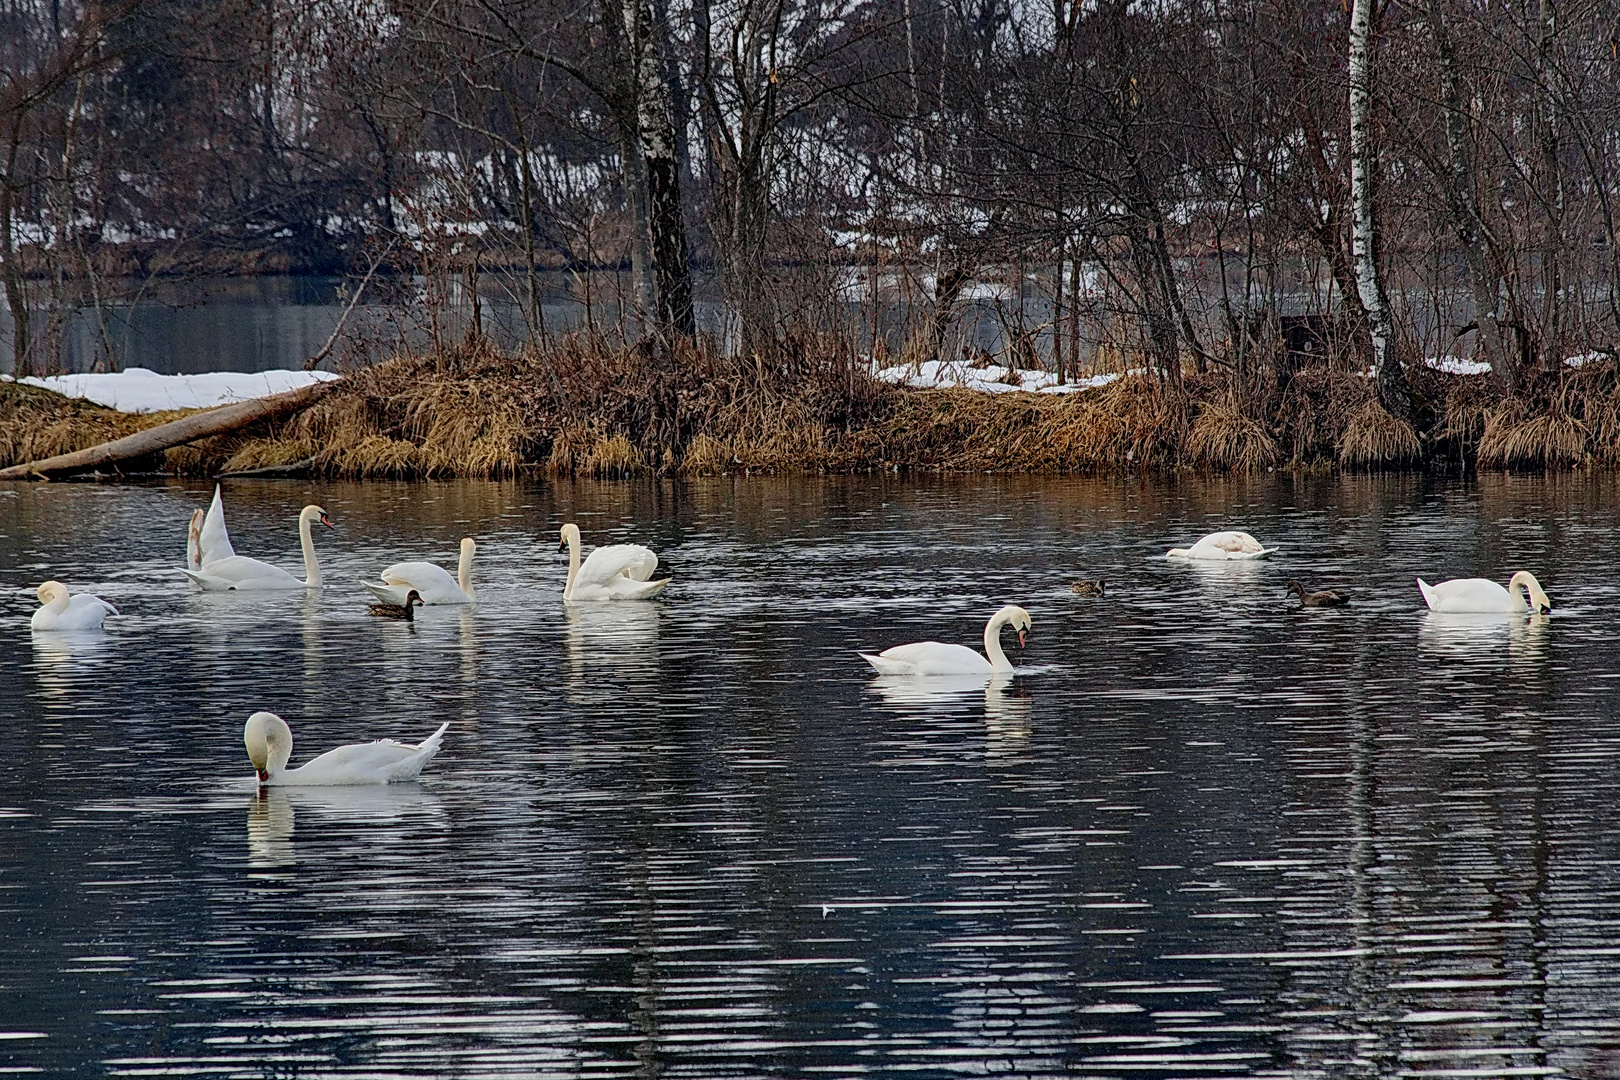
x,y
1185,164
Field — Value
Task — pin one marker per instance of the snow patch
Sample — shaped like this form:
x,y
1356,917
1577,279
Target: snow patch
x,y
1456,365
1585,358
137,390
992,379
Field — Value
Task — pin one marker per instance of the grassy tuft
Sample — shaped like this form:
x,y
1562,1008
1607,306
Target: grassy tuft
x,y
1373,439
1514,439
1223,439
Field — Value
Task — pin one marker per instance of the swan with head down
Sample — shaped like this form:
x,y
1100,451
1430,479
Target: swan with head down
x,y
1483,596
1222,546
937,658
613,572
240,573
430,581
62,610
269,746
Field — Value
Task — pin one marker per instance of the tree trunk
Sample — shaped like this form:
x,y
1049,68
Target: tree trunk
x,y
1465,209
1386,371
666,221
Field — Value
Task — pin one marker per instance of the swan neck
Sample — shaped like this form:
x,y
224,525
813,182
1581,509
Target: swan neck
x,y
992,642
464,571
312,569
573,565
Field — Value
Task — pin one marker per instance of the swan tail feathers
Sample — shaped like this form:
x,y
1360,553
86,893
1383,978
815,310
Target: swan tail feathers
x,y
1430,597
883,665
384,593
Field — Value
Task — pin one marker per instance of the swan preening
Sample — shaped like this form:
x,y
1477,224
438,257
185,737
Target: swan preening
x,y
1222,545
934,658
269,746
62,610
614,572
1483,596
231,571
431,581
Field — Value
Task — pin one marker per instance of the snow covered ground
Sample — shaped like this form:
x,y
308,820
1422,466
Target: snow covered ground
x,y
993,379
137,390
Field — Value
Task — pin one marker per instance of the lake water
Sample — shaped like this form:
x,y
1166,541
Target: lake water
x,y
1202,833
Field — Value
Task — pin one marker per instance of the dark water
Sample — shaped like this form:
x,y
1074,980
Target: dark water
x,y
1201,833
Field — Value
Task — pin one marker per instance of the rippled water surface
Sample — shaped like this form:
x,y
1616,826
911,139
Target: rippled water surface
x,y
1201,833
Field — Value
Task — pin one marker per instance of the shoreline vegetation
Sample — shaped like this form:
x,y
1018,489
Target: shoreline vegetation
x,y
587,408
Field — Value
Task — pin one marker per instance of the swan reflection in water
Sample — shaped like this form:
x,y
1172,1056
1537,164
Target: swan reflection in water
x,y
1007,704
1484,636
273,811
63,657
620,637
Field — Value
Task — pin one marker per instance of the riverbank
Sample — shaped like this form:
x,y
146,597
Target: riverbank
x,y
593,411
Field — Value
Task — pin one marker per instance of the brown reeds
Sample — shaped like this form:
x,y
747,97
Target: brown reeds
x,y
1374,439
37,423
1225,440
1516,439
583,408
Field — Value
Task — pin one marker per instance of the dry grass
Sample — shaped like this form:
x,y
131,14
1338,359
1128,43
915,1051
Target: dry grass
x,y
36,423
1373,439
583,408
1515,439
1225,440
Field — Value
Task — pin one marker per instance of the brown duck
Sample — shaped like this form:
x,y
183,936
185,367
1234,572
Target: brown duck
x,y
1324,598
397,611
1088,587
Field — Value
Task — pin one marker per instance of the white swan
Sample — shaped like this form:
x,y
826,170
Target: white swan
x,y
614,572
1484,596
1222,545
244,574
432,582
933,658
63,611
269,745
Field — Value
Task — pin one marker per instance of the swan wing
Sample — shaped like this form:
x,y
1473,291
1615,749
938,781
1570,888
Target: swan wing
x,y
431,581
929,658
630,560
215,542
1230,545
380,762
242,573
1466,595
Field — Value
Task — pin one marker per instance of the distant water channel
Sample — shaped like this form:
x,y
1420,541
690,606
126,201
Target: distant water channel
x,y
1202,833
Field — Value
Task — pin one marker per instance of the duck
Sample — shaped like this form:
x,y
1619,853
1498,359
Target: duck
x,y
1223,545
240,573
1481,595
1323,598
386,610
1088,587
61,610
935,658
431,582
269,746
613,572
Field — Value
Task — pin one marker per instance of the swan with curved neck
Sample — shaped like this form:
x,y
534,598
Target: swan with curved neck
x,y
935,658
61,610
613,572
240,573
1222,546
1483,596
430,580
269,745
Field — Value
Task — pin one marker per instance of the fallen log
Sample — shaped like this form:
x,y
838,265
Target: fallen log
x,y
154,440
